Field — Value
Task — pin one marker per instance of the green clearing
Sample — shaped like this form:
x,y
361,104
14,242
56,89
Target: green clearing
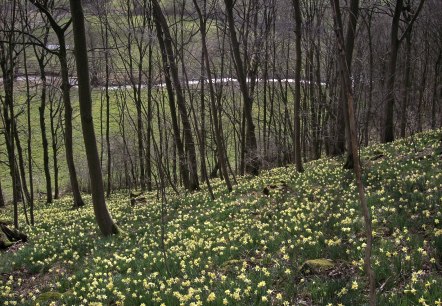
x,y
246,248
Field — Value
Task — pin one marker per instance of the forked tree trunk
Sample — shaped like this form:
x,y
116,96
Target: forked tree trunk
x,y
163,31
65,88
104,220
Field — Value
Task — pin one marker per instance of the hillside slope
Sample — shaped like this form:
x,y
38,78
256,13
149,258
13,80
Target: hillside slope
x,y
249,247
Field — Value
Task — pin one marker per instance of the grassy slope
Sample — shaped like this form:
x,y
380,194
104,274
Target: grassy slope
x,y
246,248
115,134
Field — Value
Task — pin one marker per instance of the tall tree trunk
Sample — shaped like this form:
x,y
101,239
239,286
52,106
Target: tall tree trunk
x,y
65,88
221,152
55,115
44,139
370,86
106,89
149,118
29,142
251,149
22,172
2,199
395,42
179,146
346,84
69,149
407,85
388,124
297,108
349,46
163,27
7,65
436,96
104,220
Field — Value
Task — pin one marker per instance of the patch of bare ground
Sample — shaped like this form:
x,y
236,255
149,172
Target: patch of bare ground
x,y
26,284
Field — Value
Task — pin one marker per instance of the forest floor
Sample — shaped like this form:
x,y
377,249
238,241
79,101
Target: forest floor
x,y
253,246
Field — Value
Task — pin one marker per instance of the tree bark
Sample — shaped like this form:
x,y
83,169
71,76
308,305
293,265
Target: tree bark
x,y
297,108
395,41
221,152
2,199
163,27
346,82
251,160
7,65
44,140
104,220
69,149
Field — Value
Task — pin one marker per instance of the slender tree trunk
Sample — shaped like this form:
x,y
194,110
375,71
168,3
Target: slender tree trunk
x,y
370,86
44,139
297,108
163,30
65,88
251,159
346,82
407,85
149,118
106,88
214,112
179,146
69,150
104,220
7,65
30,168
54,114
421,90
349,47
2,199
22,173
436,96
388,125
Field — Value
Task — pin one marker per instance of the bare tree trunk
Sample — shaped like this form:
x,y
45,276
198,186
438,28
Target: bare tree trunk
x,y
214,112
7,65
436,97
395,41
2,199
346,82
187,129
370,86
65,88
105,38
55,114
407,85
297,108
29,151
69,149
149,118
22,172
41,59
251,149
104,220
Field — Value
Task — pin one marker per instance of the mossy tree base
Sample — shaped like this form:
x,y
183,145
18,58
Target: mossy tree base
x,y
9,237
